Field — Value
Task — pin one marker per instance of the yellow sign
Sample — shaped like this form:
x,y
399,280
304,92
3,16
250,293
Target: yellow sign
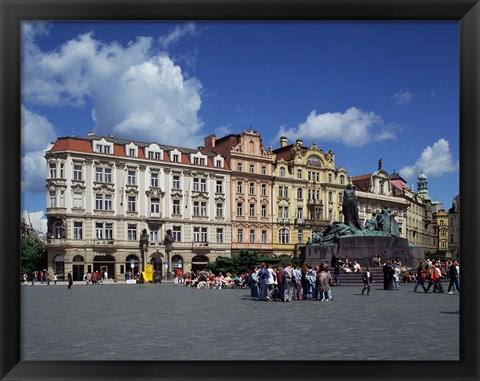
x,y
147,275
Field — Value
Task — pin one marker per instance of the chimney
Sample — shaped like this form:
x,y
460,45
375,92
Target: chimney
x,y
283,141
209,142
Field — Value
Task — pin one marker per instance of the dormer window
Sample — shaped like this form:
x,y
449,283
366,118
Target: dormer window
x,y
154,152
103,146
176,158
131,150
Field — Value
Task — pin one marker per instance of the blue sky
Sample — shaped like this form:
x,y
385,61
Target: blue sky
x,y
366,90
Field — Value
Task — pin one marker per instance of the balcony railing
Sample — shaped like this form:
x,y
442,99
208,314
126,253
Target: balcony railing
x,y
199,244
299,221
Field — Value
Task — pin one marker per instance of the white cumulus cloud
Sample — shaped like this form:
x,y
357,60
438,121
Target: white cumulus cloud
x,y
37,219
36,131
403,97
176,34
354,127
135,92
33,170
435,161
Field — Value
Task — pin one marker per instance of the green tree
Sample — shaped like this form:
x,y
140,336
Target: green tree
x,y
33,254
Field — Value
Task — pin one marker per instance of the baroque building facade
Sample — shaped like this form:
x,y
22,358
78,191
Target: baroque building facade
x,y
103,192
375,192
250,191
307,194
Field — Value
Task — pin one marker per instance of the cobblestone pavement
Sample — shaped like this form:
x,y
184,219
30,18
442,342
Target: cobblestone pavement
x,y
168,322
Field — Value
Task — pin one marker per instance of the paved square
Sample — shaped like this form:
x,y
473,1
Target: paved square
x,y
168,322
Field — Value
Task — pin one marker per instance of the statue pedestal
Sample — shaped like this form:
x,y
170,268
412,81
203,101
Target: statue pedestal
x,y
363,249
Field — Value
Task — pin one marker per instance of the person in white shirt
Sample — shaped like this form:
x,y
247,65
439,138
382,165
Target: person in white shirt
x,y
271,281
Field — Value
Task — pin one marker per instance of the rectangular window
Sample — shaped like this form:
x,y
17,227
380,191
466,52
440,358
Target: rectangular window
x,y
219,212
154,180
264,170
252,210
108,175
264,189
218,163
177,233
219,187
240,235
219,235
131,152
239,209
61,170
99,175
239,186
196,234
299,173
196,184
155,207
300,236
264,211
176,207
53,170
131,203
203,208
132,232
252,168
77,200
203,185
52,203
77,172
176,158
264,236
98,201
108,202
239,167
252,236
106,149
78,230
196,208
195,160
158,156
154,233
99,230
300,213
62,199
176,182
131,178
203,236
98,148
109,230
151,155
252,188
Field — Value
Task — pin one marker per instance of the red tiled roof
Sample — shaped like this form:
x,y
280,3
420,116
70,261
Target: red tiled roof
x,y
72,144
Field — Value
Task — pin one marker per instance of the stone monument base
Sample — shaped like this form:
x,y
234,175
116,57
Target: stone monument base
x,y
363,249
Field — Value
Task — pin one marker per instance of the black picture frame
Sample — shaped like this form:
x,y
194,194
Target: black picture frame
x,y
467,12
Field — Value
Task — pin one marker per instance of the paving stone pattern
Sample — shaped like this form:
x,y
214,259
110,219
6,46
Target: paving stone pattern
x,y
168,322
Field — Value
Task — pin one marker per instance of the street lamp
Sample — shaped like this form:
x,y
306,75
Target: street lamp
x,y
143,246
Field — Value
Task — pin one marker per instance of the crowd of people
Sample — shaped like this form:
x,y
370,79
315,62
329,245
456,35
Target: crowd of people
x,y
433,272
39,276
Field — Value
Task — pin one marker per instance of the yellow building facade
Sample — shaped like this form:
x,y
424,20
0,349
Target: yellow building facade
x,y
307,194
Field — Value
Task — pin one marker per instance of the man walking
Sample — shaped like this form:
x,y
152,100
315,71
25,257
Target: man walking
x,y
367,281
453,273
421,275
70,280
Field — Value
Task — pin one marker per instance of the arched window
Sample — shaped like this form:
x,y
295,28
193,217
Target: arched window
x,y
300,193
330,196
283,236
342,180
282,172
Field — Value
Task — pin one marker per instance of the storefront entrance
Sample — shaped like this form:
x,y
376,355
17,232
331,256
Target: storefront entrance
x,y
78,268
105,261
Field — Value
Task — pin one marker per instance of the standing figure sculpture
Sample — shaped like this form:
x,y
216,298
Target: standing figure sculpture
x,y
349,209
168,240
